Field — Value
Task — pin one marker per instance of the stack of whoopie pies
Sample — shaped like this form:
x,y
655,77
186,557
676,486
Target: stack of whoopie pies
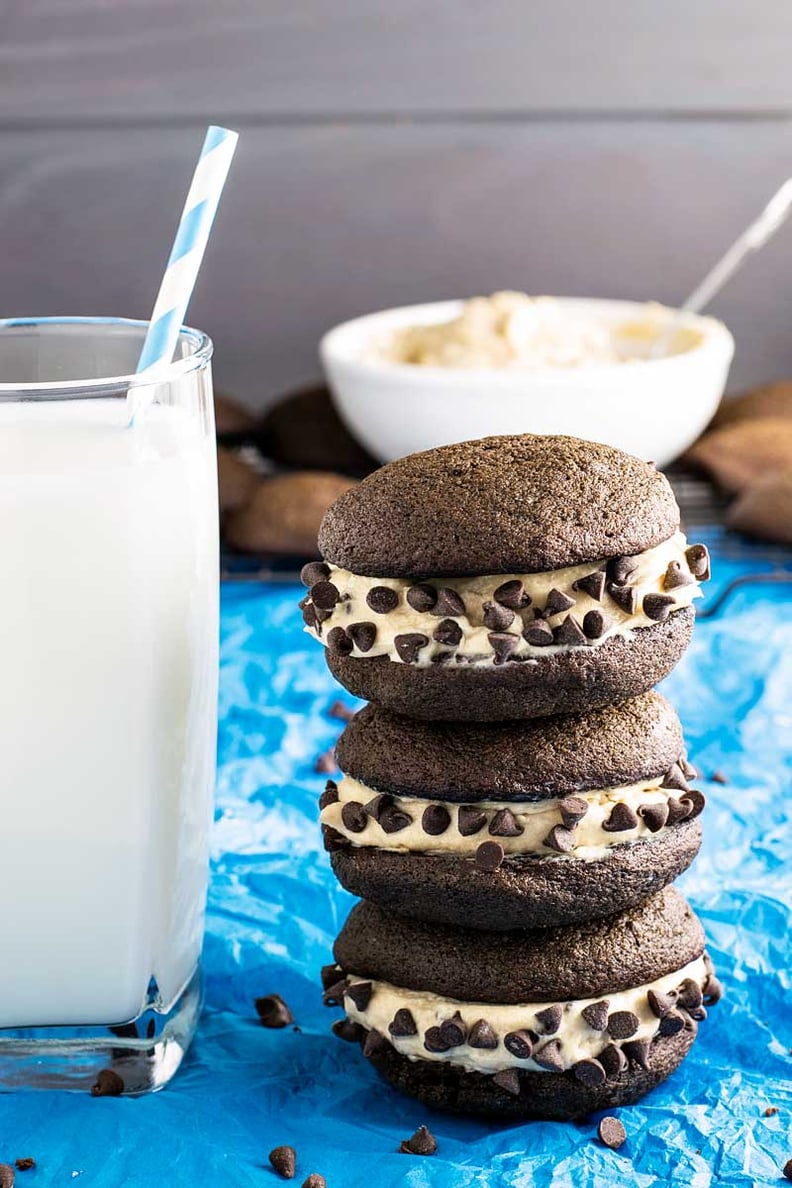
x,y
514,800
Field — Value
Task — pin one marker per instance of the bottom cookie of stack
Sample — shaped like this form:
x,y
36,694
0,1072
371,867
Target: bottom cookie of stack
x,y
554,1023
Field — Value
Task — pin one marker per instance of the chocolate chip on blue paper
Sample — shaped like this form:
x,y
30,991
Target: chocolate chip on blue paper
x,y
717,777
344,713
313,572
326,762
284,1161
348,1030
423,1142
422,597
557,602
334,840
569,634
592,584
589,1072
489,856
470,820
505,824
596,1014
787,1170
659,1003
572,809
354,816
637,1050
621,569
449,604
611,1133
538,634
671,1023
549,1019
454,1031
447,632
497,617
24,1164
393,819
273,1011
595,624
403,1024
375,1042
482,1035
623,1024
338,642
382,600
360,993
435,820
508,1079
362,635
512,595
330,794
560,839
613,1060
625,597
654,816
107,1084
434,1041
657,607
550,1056
324,595
520,1043
409,646
675,576
622,818
697,557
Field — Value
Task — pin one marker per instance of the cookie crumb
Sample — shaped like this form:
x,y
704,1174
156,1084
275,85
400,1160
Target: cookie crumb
x,y
718,777
284,1161
273,1011
24,1164
423,1142
612,1133
771,1111
107,1084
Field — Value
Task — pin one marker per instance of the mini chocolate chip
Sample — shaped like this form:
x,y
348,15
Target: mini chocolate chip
x,y
284,1161
568,633
382,600
621,819
611,1132
539,634
334,840
449,604
497,617
572,809
596,1014
375,1042
360,993
330,794
330,975
314,1181
24,1164
447,632
592,584
675,576
403,1023
393,819
324,595
334,995
560,839
696,800
470,820
375,806
659,1003
787,1171
505,824
326,762
657,607
717,777
512,595
621,569
434,1040
454,1031
273,1011
338,642
613,1060
354,816
363,635
590,1073
520,1043
435,820
550,1018
557,602
637,1050
107,1084
508,1079
654,816
550,1056
423,1142
623,1024
697,557
671,1023
595,624
408,646
481,1035
625,597
422,597
309,616
713,990
348,1031
689,994
489,856
313,572
770,1112
503,645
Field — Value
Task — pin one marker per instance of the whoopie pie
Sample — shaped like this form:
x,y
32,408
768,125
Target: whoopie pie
x,y
519,824
505,578
554,1023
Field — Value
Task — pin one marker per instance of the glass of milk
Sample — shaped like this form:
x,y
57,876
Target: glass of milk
x,y
108,701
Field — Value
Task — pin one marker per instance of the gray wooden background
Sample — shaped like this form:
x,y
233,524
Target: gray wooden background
x,y
393,152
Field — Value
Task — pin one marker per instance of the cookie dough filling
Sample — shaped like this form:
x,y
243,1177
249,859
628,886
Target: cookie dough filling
x,y
584,826
593,1037
500,618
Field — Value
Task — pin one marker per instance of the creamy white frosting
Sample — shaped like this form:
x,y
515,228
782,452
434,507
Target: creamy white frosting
x,y
537,819
475,647
578,1040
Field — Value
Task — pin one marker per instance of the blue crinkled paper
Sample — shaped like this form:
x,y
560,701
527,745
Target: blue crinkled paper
x,y
274,910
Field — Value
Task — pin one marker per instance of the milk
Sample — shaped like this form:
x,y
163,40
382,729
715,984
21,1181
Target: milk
x,y
108,669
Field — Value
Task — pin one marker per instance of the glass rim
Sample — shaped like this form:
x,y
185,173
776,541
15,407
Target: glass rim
x,y
201,353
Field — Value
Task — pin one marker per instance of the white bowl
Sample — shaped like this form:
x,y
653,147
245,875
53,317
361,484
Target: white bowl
x,y
653,408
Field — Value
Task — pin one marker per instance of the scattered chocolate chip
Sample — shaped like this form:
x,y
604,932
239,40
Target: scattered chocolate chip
x,y
689,994
596,1014
360,993
671,1023
611,1132
284,1161
423,1142
508,1079
560,839
408,646
330,974
449,604
621,569
393,819
613,1060
512,595
718,777
24,1164
550,1018
557,602
362,635
481,1035
621,819
637,1050
382,600
330,795
568,634
434,1041
676,811
623,1024
107,1084
654,816
435,820
448,633
659,1003
402,1023
572,809
697,557
497,617
354,816
505,824
592,584
675,576
713,990
590,1073
625,597
771,1111
539,634
325,763
788,1170
422,597
595,624
693,802
313,572
348,1030
550,1056
314,1181
489,856
375,1042
324,595
338,642
503,645
520,1043
333,840
470,820
454,1031
657,607
7,1175
334,995
273,1011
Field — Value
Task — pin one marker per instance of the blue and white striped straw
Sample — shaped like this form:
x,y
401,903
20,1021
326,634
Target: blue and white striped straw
x,y
188,248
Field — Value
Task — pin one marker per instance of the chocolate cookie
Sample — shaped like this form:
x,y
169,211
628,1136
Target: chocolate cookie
x,y
507,578
513,825
553,1023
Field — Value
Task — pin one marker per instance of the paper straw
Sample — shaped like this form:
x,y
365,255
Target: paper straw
x,y
188,248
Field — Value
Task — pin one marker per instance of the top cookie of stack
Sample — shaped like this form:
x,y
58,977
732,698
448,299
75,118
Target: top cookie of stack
x,y
511,577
